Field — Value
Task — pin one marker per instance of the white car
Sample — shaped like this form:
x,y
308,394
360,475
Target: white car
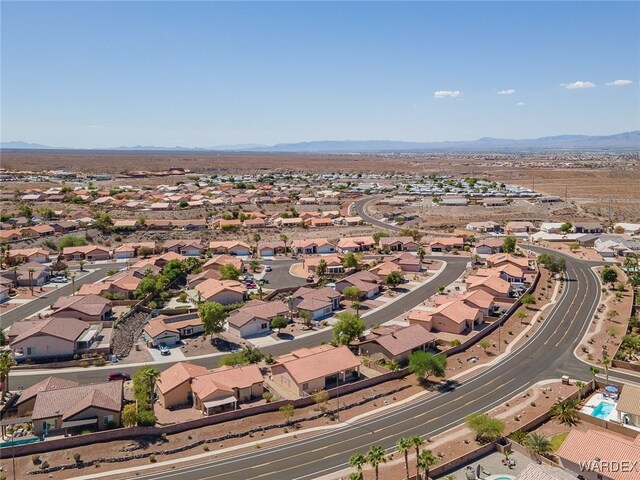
x,y
267,268
59,280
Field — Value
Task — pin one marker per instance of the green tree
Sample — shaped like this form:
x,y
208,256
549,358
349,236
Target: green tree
x,y
348,328
174,269
528,300
213,316
230,272
129,415
553,263
421,254
411,232
256,241
279,323
509,244
321,269
71,241
6,362
394,278
417,442
254,265
143,383
538,444
486,428
357,461
352,293
426,460
350,261
425,364
376,456
609,275
403,446
484,345
565,411
284,239
566,227
103,222
378,235
287,411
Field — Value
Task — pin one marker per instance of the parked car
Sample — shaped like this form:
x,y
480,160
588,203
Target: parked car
x,y
267,268
59,279
164,350
310,278
250,285
119,376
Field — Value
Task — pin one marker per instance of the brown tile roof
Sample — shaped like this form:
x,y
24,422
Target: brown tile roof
x,y
223,259
257,309
587,446
227,379
67,402
629,400
87,304
50,383
178,374
65,328
399,340
212,287
310,363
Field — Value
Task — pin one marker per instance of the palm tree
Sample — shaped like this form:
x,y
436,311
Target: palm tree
x,y
321,269
404,445
81,263
426,460
565,412
6,362
594,371
356,306
417,441
421,254
580,384
73,283
31,272
357,460
16,275
375,457
284,239
151,375
256,240
605,362
290,299
538,444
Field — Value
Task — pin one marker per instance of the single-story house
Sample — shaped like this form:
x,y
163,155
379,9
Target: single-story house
x,y
367,282
313,245
255,317
171,329
89,308
332,261
395,342
629,405
37,254
53,337
488,246
225,292
318,303
493,285
188,248
86,252
309,370
269,249
27,398
97,405
399,244
446,244
355,244
231,247
453,317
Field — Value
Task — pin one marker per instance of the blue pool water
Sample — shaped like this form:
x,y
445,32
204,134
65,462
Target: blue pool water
x,y
603,410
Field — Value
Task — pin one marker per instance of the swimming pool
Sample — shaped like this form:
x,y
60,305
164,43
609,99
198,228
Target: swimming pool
x,y
603,410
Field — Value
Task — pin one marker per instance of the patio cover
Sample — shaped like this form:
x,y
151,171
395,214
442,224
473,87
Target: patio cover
x,y
79,423
219,402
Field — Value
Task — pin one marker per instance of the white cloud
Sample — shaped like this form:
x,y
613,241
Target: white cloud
x,y
519,104
511,91
578,84
619,83
447,93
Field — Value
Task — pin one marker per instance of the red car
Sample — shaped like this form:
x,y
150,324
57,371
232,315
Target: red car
x,y
119,376
250,285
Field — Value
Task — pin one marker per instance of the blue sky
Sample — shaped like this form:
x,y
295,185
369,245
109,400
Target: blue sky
x,y
202,74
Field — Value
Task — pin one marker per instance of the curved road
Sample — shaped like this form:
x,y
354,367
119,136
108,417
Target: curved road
x,y
455,267
547,354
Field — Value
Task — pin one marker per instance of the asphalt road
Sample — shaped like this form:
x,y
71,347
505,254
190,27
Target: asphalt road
x,y
547,354
359,208
279,276
455,267
28,309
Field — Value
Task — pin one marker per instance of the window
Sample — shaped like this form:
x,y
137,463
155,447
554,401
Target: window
x,y
31,350
263,326
305,386
107,419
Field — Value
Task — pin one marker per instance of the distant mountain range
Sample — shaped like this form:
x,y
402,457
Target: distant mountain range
x,y
621,141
